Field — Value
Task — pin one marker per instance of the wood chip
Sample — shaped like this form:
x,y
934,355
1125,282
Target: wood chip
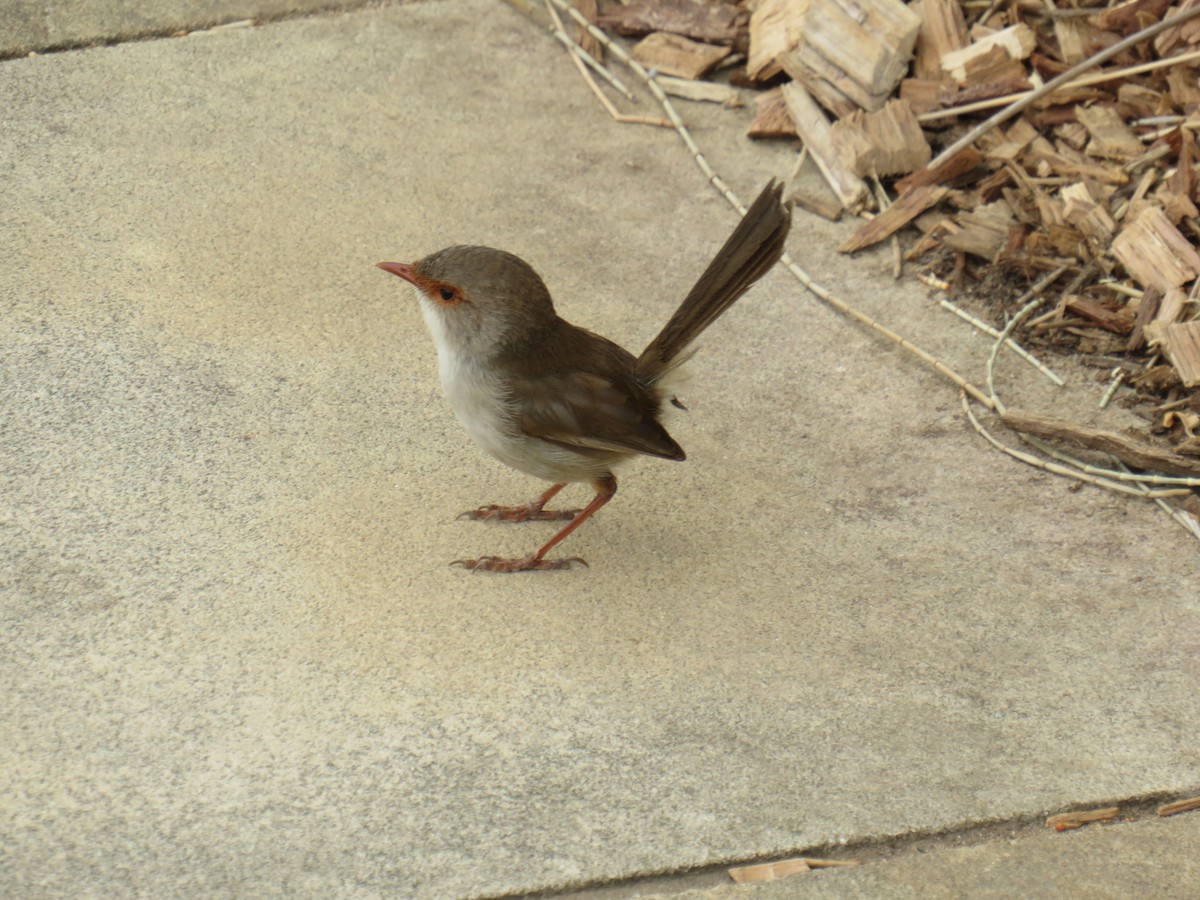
x,y
1018,137
707,91
1170,306
776,28
943,29
1129,17
895,217
714,22
1089,216
817,197
772,119
1131,451
1147,309
968,64
1142,101
1181,343
1182,84
925,95
1157,378
846,53
769,871
1155,253
813,128
886,142
1067,821
1111,137
1179,806
984,230
783,868
676,55
956,166
1071,36
1180,34
1116,322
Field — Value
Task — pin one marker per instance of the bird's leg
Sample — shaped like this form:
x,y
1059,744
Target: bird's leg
x,y
606,489
524,512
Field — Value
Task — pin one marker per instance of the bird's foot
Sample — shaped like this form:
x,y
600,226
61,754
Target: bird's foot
x,y
525,512
528,563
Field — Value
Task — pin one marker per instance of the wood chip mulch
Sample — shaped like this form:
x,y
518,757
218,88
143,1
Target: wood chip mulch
x,y
1097,177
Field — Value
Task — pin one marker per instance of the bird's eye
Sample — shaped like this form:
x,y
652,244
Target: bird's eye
x,y
447,293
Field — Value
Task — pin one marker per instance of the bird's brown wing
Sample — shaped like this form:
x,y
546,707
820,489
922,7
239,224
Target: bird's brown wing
x,y
594,413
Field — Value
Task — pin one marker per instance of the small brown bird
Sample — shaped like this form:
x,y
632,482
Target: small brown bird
x,y
554,400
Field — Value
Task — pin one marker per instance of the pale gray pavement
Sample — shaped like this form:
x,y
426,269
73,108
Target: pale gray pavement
x,y
1153,858
232,658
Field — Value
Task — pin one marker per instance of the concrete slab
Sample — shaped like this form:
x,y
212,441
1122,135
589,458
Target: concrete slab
x,y
232,655
1151,858
40,25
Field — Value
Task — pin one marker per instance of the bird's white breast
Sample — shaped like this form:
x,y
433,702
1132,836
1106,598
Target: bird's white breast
x,y
477,398
482,403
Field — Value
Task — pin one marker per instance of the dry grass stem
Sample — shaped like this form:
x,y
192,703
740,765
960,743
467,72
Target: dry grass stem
x,y
1118,377
1000,341
1122,475
578,54
1181,516
594,64
1009,342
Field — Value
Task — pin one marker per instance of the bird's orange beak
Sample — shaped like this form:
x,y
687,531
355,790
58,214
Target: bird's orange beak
x,y
404,270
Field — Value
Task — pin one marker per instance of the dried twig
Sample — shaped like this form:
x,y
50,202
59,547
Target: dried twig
x,y
668,107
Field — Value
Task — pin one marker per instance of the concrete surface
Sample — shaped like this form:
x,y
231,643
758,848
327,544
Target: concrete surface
x,y
232,657
1149,858
35,26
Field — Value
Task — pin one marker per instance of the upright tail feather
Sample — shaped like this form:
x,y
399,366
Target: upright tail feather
x,y
755,245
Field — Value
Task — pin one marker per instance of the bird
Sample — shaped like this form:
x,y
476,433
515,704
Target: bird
x,y
554,400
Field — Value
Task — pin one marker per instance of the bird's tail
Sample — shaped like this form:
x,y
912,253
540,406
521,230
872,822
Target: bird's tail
x,y
755,245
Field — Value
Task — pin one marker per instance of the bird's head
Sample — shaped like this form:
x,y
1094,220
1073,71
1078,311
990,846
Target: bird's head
x,y
476,299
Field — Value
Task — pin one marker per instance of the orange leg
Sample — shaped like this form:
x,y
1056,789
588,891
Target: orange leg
x,y
606,489
525,512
